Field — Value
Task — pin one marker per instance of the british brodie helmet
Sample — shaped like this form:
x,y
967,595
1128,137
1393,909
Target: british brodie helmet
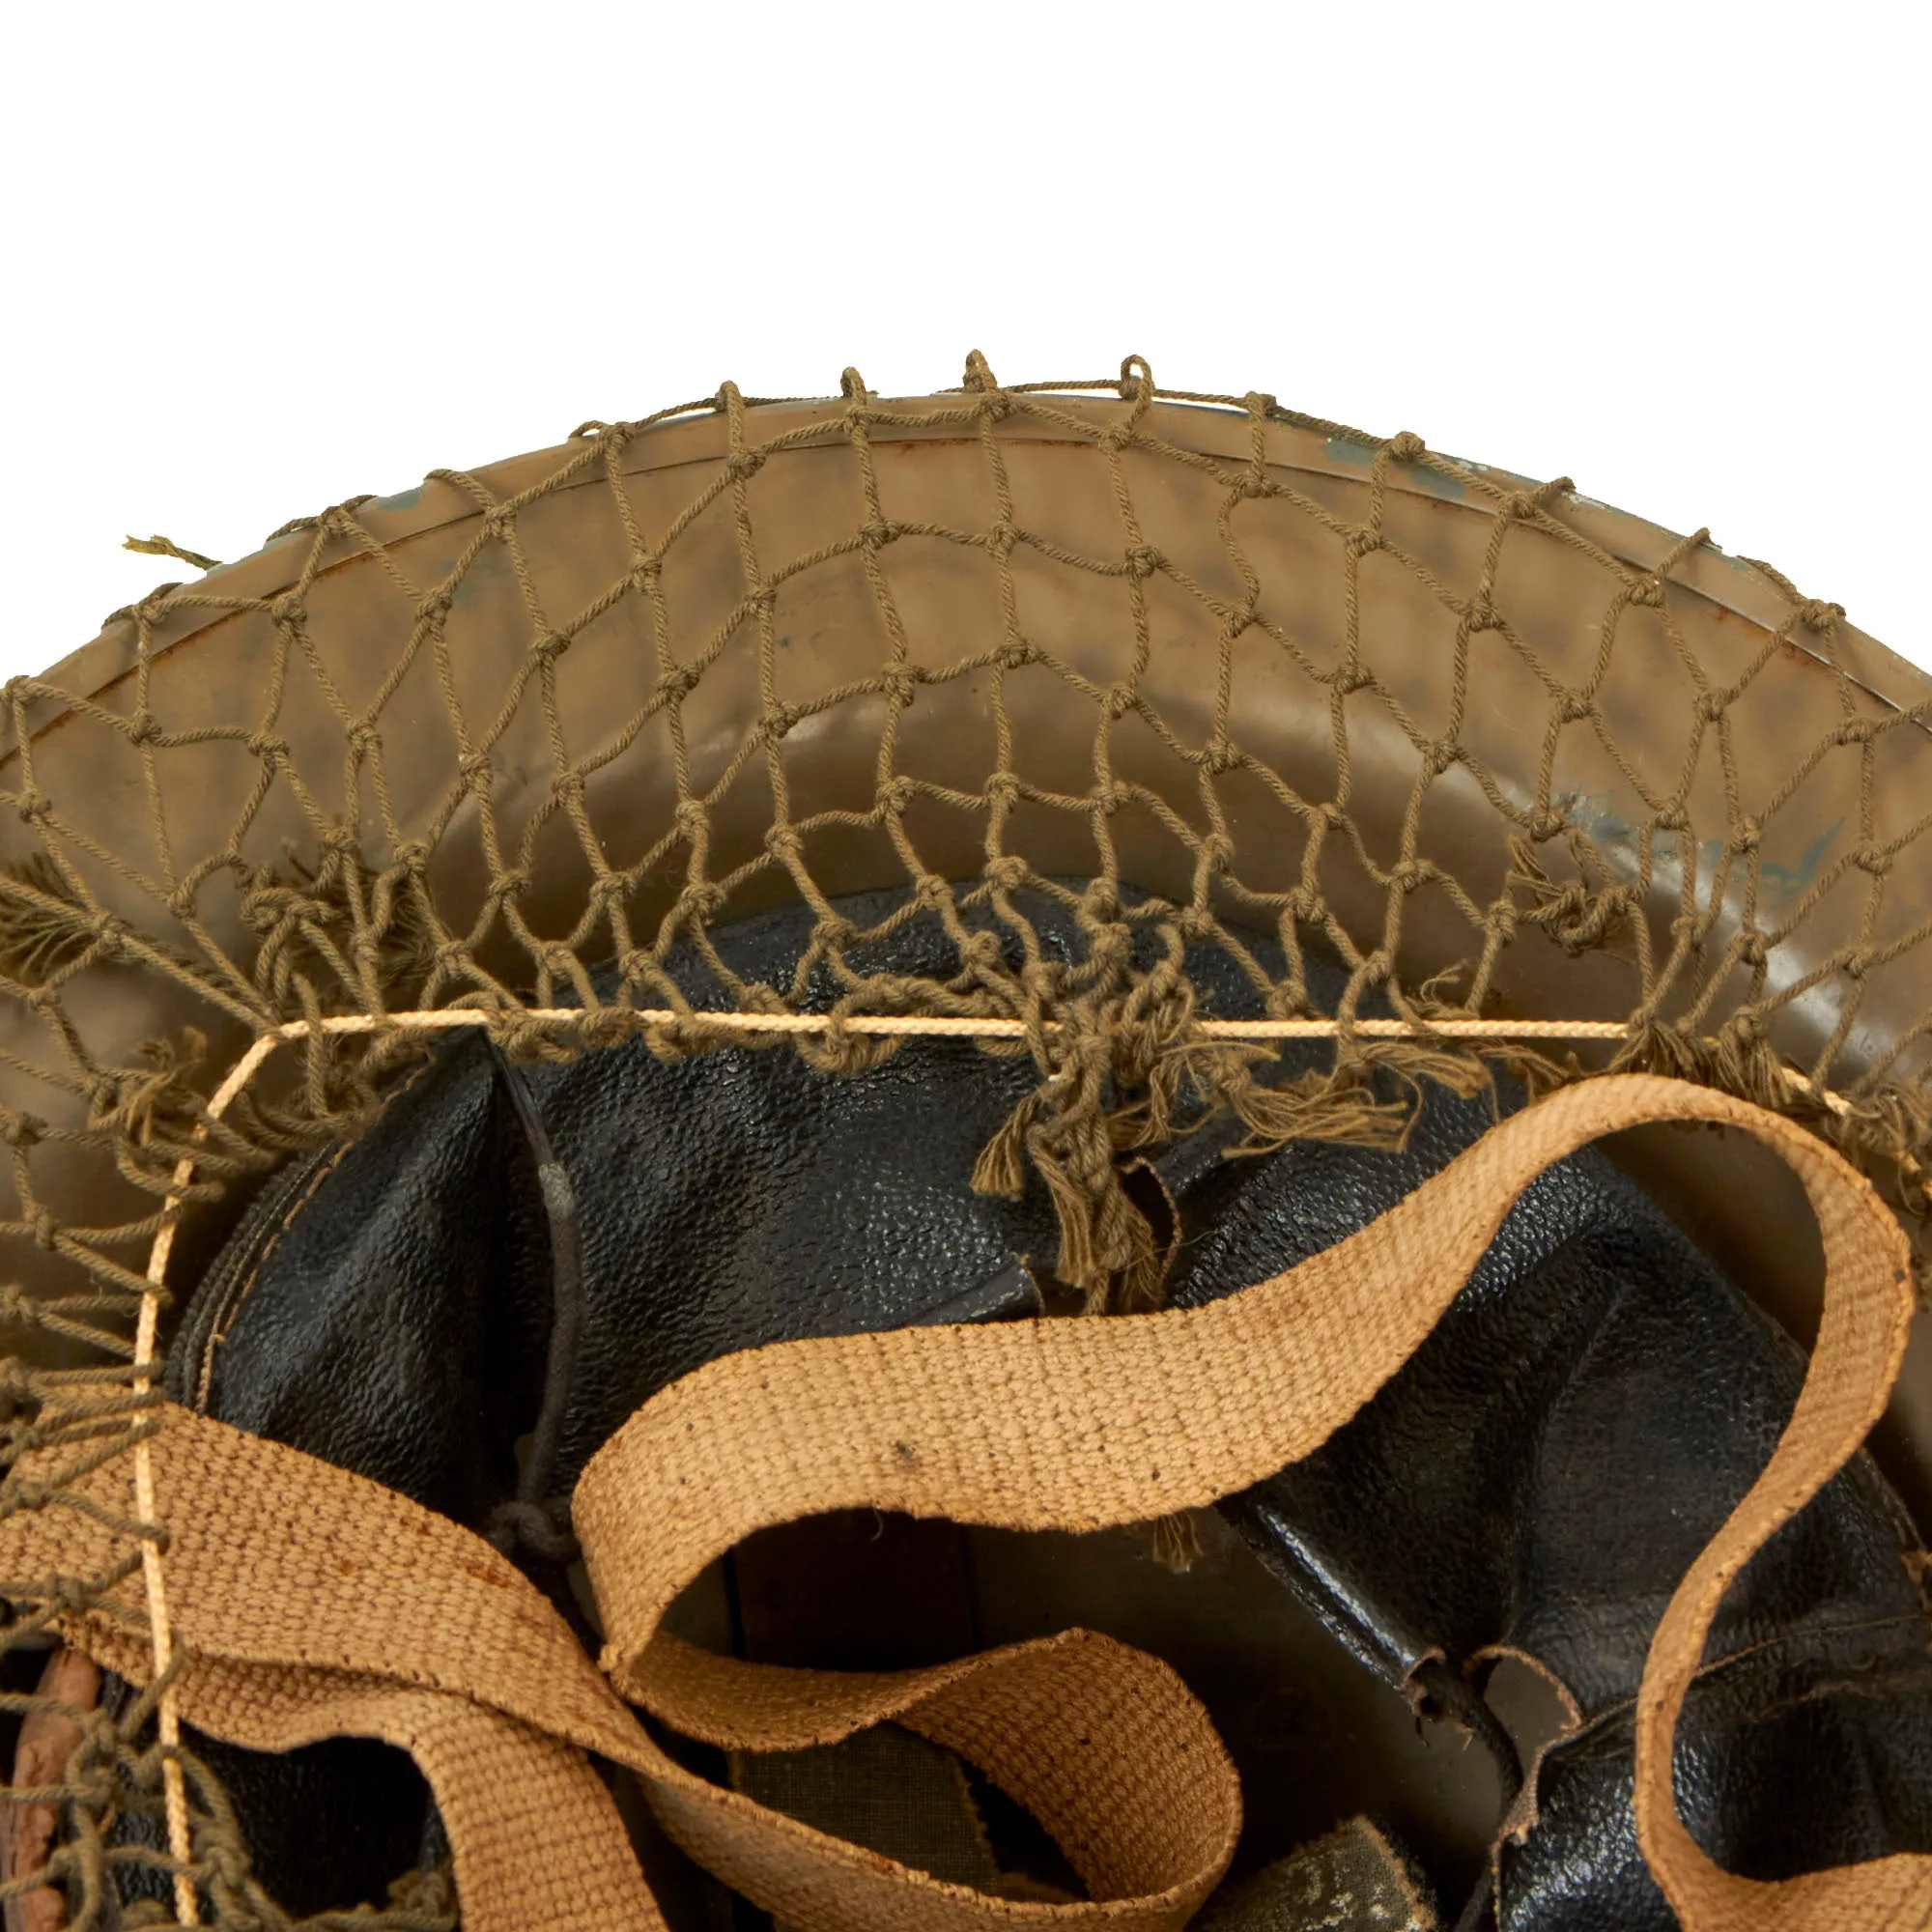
x,y
930,1164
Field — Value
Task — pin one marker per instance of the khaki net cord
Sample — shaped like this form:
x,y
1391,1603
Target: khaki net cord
x,y
321,908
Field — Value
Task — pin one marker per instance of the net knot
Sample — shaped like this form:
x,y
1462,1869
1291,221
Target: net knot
x,y
678,683
46,1233
1745,839
1361,542
1711,706
524,1039
1006,873
148,611
896,794
691,817
143,728
91,1783
109,932
32,805
839,1050
1817,614
704,900
73,1595
1444,753
1573,706
1752,946
1747,1026
272,751
1002,788
434,606
1872,858
1119,700
1405,446
982,952
1545,823
229,1868
1858,730
1136,380
511,883
1858,961
23,1130
878,533
549,647
782,841
272,907
1144,560
1647,592
286,611
1408,874
779,721
1109,942
744,463
1482,615
608,1026
25,1491
1014,654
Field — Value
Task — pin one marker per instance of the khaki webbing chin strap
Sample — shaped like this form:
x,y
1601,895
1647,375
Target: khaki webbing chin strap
x,y
309,1602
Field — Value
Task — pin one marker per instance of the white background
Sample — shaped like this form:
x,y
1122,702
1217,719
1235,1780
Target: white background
x,y
262,257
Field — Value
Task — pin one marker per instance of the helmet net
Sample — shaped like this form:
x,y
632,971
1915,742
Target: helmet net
x,y
397,817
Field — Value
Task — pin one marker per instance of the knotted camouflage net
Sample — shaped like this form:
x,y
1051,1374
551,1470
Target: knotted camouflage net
x,y
1194,665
